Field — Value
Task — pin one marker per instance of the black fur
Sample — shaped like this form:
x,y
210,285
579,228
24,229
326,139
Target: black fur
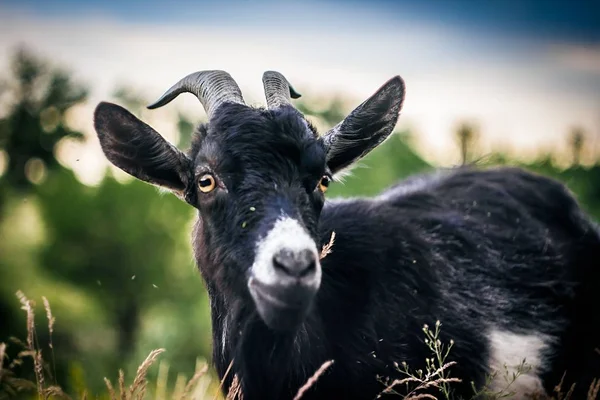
x,y
476,249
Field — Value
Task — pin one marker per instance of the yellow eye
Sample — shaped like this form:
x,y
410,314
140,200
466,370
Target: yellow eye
x,y
207,183
324,183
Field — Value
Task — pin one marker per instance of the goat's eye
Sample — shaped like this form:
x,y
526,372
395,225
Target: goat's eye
x,y
324,183
207,183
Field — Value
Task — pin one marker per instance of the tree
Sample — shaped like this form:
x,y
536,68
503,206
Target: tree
x,y
40,97
114,260
576,140
467,137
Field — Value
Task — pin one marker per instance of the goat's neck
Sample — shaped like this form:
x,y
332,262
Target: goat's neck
x,y
240,336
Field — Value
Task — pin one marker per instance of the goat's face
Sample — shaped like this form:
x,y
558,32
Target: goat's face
x,y
260,181
258,178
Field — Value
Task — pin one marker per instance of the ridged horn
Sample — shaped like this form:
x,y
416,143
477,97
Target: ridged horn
x,y
278,90
212,88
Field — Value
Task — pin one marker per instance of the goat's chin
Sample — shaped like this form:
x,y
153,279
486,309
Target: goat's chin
x,y
281,309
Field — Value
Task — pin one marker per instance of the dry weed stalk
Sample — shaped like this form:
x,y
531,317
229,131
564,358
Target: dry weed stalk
x,y
2,352
223,380
140,377
433,379
56,391
558,390
193,381
421,396
122,391
327,248
28,305
137,390
162,380
179,386
51,321
311,381
235,390
142,392
38,365
111,390
594,389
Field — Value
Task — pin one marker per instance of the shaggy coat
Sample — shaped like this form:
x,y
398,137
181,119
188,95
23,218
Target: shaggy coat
x,y
501,257
505,259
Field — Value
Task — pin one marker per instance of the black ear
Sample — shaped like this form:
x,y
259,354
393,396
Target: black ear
x,y
139,150
366,127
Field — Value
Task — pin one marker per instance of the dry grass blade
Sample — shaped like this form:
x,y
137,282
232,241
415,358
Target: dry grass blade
x,y
327,248
439,381
192,382
162,380
111,390
2,352
27,305
442,369
594,390
56,391
397,382
39,373
142,391
179,387
223,380
311,381
570,392
235,390
421,396
51,319
143,370
558,388
122,391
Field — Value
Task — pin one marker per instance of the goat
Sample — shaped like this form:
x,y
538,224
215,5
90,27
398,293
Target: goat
x,y
504,258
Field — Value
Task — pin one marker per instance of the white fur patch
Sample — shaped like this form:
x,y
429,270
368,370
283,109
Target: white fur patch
x,y
224,336
286,233
509,349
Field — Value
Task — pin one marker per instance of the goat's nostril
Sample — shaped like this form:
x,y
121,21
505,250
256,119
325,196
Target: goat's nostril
x,y
297,264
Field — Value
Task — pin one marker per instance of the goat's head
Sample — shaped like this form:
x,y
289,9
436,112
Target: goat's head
x,y
258,178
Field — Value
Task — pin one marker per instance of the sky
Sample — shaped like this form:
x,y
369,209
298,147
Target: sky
x,y
526,71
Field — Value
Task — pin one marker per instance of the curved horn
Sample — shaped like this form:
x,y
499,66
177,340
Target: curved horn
x,y
212,88
278,90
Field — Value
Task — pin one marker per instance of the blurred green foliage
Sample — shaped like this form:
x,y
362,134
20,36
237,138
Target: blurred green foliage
x,y
115,260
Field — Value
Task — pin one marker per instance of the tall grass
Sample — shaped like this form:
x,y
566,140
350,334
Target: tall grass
x,y
200,386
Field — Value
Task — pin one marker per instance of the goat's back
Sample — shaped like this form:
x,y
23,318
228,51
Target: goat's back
x,y
506,259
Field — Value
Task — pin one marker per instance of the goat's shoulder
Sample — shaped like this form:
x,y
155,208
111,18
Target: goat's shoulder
x,y
470,181
462,200
489,189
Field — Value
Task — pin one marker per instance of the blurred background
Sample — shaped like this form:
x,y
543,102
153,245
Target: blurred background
x,y
493,82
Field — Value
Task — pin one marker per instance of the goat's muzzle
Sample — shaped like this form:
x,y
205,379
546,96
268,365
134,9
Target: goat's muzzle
x,y
285,276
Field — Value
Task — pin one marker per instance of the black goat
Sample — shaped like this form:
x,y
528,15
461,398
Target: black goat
x,y
505,259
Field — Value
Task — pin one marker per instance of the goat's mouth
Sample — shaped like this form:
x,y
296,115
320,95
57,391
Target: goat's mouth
x,y
281,307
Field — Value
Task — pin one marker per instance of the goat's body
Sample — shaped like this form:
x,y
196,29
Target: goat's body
x,y
503,258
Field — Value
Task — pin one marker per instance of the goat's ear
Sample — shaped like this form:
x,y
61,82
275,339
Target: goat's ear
x,y
366,127
139,150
